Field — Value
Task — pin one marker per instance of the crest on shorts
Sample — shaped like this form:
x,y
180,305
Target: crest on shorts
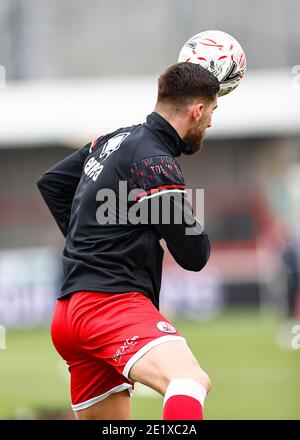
x,y
165,327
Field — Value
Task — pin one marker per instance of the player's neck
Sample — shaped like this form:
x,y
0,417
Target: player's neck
x,y
176,120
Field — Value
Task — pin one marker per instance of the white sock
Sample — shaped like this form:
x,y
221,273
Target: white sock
x,y
186,387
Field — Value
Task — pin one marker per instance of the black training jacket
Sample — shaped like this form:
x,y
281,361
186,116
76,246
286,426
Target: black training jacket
x,y
103,250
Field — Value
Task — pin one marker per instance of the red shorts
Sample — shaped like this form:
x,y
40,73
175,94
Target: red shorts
x,y
101,336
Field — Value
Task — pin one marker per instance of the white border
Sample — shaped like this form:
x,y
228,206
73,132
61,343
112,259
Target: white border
x,y
90,402
148,347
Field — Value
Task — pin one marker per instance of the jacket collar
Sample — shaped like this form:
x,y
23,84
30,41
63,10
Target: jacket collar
x,y
167,133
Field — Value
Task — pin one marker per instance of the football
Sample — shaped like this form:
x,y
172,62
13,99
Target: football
x,y
218,52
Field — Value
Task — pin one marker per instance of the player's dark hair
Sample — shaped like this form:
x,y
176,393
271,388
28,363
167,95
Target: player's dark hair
x,y
182,82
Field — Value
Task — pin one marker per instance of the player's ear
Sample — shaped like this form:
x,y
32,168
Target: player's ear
x,y
197,110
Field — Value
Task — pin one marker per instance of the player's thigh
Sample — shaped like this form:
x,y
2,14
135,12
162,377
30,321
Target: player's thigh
x,y
167,361
116,406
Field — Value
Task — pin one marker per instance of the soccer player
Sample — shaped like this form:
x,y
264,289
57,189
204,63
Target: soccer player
x,y
106,323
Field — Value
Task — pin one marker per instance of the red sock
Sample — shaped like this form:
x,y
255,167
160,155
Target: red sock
x,y
184,400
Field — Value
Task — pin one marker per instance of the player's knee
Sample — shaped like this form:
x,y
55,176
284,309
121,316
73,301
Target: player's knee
x,y
207,383
198,376
204,380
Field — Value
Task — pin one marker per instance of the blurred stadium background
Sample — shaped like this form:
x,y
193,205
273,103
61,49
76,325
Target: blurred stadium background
x,y
73,70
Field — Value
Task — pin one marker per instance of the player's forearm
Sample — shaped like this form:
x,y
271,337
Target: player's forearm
x,y
194,253
184,235
58,186
191,252
58,198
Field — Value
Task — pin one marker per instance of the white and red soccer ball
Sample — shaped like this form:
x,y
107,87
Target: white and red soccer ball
x,y
218,52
